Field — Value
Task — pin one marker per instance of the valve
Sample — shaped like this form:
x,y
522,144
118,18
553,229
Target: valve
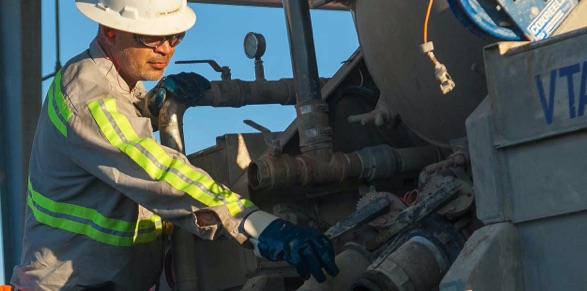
x,y
224,70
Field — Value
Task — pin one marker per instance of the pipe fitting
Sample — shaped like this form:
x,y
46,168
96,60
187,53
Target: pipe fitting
x,y
285,171
315,170
170,123
313,125
383,161
417,265
274,172
322,166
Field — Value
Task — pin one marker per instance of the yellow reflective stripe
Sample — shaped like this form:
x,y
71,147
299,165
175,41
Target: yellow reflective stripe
x,y
63,108
40,205
52,114
157,163
83,212
56,99
235,207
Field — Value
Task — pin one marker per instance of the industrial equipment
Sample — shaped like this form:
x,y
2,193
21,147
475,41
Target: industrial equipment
x,y
382,160
476,186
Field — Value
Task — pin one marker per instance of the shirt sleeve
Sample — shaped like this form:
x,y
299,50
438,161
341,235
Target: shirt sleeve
x,y
141,103
111,142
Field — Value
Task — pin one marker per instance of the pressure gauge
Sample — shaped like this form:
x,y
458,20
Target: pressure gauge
x,y
254,45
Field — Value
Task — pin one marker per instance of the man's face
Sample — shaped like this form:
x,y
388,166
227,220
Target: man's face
x,y
137,62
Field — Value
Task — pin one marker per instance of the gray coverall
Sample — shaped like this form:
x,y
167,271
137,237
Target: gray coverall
x,y
99,184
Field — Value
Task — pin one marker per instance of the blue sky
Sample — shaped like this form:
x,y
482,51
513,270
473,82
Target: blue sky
x,y
218,34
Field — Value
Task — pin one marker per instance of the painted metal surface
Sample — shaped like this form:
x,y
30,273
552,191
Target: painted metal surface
x,y
549,79
538,19
390,33
483,16
534,121
513,20
527,150
491,252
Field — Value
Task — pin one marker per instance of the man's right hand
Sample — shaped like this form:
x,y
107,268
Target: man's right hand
x,y
186,87
304,247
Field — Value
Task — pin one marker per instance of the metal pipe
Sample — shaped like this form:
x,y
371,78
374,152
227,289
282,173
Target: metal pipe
x,y
57,45
183,243
379,162
313,124
259,70
171,124
237,93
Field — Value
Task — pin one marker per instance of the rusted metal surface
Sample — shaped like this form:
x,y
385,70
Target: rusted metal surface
x,y
265,3
414,214
368,164
359,217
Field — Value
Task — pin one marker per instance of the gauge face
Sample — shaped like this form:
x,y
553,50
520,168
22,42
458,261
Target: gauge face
x,y
254,45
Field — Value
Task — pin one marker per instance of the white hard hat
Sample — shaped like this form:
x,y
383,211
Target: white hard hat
x,y
150,17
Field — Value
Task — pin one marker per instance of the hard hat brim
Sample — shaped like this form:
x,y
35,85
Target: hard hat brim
x,y
163,25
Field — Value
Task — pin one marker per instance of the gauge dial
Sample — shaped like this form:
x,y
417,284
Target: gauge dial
x,y
254,45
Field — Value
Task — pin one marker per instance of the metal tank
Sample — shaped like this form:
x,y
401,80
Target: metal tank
x,y
390,33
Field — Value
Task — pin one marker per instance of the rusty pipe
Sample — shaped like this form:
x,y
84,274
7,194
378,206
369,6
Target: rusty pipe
x,y
183,243
379,162
237,93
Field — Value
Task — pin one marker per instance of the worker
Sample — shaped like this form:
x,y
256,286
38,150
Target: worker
x,y
99,184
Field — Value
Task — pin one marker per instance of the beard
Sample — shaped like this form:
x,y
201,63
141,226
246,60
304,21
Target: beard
x,y
137,70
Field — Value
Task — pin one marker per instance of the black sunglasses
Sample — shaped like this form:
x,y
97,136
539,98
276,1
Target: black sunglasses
x,y
155,41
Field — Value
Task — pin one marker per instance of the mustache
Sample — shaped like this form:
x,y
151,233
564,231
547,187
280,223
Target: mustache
x,y
161,59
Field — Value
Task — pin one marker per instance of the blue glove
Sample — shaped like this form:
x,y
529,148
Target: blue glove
x,y
304,247
186,87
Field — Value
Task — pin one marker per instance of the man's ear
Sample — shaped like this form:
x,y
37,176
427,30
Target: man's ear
x,y
108,34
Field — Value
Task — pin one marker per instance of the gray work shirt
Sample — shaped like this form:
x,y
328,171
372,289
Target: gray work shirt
x,y
99,184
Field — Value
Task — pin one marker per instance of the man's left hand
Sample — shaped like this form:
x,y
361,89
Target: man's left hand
x,y
186,87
